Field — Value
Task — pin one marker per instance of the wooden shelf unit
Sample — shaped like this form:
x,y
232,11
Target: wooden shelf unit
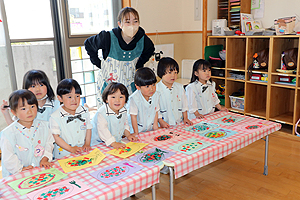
x,y
266,100
233,18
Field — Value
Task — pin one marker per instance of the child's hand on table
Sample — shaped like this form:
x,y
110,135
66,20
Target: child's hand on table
x,y
224,109
76,149
132,138
163,124
186,121
86,148
118,145
44,163
27,168
198,115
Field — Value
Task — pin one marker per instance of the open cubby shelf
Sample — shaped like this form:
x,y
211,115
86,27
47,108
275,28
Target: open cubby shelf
x,y
267,100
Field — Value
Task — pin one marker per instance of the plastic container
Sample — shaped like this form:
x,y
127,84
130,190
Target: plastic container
x,y
237,102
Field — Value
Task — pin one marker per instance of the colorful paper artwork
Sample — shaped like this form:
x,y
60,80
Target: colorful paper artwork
x,y
191,146
252,127
153,156
38,180
80,162
116,172
201,127
228,120
131,148
61,190
219,134
163,137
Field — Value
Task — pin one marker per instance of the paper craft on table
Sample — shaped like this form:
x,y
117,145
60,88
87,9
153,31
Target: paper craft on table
x,y
163,137
130,149
219,134
60,190
228,120
191,146
252,127
201,127
116,172
153,156
80,162
36,181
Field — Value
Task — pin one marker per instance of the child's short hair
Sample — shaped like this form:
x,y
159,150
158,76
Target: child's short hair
x,y
144,76
199,64
33,77
114,87
126,11
165,64
22,94
65,87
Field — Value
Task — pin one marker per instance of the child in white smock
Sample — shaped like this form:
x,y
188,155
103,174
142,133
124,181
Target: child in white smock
x,y
201,95
173,102
26,143
37,82
70,124
110,122
144,102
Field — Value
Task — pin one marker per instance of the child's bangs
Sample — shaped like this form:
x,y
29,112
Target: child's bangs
x,y
204,67
171,68
35,79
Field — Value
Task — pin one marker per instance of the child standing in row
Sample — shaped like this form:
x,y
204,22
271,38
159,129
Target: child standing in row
x,y
144,102
201,95
173,102
26,142
110,122
37,82
70,124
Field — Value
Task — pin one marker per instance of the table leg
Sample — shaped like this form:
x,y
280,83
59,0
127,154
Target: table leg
x,y
171,183
153,193
266,155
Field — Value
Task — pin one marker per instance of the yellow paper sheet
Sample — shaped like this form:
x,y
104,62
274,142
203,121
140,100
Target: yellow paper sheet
x,y
80,162
131,148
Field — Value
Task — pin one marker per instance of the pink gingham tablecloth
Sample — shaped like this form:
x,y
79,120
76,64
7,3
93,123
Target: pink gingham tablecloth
x,y
184,163
121,189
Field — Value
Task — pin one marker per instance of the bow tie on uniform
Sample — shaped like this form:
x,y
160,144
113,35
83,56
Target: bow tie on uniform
x,y
119,117
72,118
204,88
41,110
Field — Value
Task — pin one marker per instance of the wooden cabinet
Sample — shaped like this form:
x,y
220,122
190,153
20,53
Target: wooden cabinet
x,y
231,9
264,99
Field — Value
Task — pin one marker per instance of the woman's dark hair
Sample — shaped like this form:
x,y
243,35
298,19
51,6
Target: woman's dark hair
x,y
65,87
22,94
125,11
166,63
114,87
144,76
199,64
33,77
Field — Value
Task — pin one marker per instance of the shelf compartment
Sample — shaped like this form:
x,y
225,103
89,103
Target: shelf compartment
x,y
236,75
231,87
256,99
255,45
237,49
217,40
282,104
282,78
279,45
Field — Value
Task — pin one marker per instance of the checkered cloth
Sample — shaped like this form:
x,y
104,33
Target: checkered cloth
x,y
184,163
121,189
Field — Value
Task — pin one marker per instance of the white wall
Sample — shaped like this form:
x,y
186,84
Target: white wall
x,y
178,15
279,8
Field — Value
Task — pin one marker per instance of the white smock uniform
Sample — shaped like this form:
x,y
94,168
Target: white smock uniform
x,y
145,110
119,66
46,111
71,128
201,97
22,147
108,126
172,103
